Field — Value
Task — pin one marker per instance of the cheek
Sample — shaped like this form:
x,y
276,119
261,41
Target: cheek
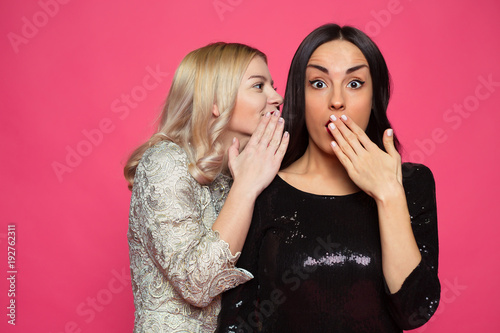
x,y
255,105
313,107
361,111
309,114
361,119
315,122
251,118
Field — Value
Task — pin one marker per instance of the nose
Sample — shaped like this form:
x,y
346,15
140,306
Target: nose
x,y
337,101
275,98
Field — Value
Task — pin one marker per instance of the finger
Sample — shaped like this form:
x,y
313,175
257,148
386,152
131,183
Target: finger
x,y
259,131
278,134
388,140
280,153
342,157
233,150
341,142
359,133
270,129
390,148
232,154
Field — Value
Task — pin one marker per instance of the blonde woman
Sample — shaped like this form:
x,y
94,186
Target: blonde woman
x,y
221,118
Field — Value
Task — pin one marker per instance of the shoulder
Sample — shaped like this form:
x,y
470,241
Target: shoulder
x,y
164,155
164,151
417,173
418,183
163,176
162,162
273,195
278,184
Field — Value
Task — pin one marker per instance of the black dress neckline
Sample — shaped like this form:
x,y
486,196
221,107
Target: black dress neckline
x,y
318,196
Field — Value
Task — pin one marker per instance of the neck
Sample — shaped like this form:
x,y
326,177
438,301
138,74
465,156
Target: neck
x,y
319,172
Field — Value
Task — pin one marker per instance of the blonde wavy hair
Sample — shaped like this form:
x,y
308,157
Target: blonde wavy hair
x,y
208,76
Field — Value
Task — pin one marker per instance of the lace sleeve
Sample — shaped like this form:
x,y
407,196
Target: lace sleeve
x,y
170,207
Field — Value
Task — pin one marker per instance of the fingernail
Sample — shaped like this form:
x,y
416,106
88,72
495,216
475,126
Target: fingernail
x,y
390,132
332,126
333,118
286,135
333,144
268,114
276,113
280,120
234,139
344,117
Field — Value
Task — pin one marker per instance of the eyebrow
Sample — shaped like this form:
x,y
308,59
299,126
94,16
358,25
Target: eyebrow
x,y
348,71
262,77
355,68
318,67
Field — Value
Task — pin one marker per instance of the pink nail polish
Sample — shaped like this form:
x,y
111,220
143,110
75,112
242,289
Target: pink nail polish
x,y
333,118
332,126
344,117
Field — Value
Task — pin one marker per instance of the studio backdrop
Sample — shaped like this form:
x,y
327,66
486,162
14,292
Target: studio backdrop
x,y
83,83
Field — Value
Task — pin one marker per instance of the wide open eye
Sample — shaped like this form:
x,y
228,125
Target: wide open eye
x,y
318,84
355,84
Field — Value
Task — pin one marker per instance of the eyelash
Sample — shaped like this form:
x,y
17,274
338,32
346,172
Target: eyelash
x,y
260,86
359,82
313,82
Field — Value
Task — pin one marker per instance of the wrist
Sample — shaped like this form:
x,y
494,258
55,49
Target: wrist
x,y
244,192
390,192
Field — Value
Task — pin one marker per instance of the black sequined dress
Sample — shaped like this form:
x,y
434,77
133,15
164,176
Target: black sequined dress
x,y
318,268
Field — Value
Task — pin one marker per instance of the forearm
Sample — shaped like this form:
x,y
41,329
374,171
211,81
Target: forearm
x,y
235,217
400,253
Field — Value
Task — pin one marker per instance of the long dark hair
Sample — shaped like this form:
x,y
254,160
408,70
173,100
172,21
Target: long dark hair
x,y
294,105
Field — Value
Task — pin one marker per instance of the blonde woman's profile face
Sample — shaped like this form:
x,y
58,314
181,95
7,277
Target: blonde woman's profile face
x,y
256,96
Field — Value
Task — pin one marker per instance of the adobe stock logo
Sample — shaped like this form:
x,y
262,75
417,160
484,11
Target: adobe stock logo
x,y
31,27
450,291
292,278
95,304
383,17
454,118
222,6
121,107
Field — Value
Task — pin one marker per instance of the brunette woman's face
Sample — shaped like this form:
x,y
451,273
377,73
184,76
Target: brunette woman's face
x,y
256,96
338,82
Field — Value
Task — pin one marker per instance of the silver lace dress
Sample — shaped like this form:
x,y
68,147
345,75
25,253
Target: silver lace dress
x,y
179,265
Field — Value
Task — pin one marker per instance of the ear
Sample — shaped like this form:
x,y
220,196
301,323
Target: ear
x,y
215,111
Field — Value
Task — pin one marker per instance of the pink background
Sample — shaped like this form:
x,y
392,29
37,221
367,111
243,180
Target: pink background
x,y
78,94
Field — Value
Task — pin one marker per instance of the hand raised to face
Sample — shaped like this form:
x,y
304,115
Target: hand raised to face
x,y
258,163
373,170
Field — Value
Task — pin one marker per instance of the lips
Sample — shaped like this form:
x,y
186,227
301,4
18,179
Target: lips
x,y
263,113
